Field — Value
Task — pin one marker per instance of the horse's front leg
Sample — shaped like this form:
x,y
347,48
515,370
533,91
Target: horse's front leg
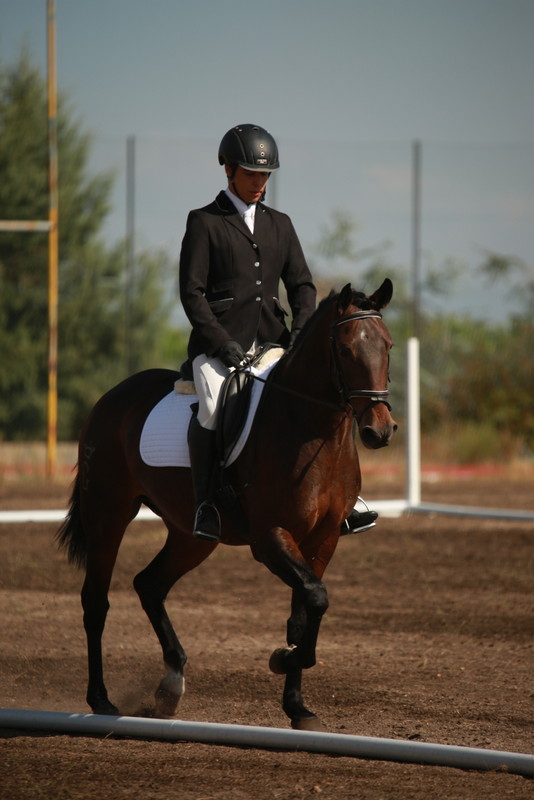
x,y
281,663
309,603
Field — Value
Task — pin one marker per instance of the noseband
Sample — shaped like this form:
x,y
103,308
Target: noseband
x,y
347,394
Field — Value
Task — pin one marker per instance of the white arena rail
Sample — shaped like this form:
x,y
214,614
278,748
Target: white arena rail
x,y
385,508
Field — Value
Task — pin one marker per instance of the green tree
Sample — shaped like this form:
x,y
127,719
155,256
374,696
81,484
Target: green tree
x,y
477,378
92,336
93,340
338,255
518,276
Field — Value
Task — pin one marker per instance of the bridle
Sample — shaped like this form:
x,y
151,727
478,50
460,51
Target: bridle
x,y
347,394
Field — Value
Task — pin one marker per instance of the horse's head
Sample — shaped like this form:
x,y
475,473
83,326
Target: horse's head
x,y
361,344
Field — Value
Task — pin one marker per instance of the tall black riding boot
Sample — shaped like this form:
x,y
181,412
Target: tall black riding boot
x,y
202,452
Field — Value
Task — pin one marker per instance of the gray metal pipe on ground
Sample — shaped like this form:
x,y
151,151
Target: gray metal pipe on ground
x,y
270,739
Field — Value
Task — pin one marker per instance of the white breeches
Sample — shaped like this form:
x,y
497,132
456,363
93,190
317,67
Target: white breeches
x,y
209,375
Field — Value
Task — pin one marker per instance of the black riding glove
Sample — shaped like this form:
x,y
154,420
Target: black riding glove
x,y
294,333
231,354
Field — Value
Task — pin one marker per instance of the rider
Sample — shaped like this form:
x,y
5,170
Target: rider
x,y
234,253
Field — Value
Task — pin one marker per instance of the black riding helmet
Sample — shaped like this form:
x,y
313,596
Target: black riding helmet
x,y
251,147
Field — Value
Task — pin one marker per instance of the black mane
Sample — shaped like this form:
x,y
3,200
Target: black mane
x,y
359,299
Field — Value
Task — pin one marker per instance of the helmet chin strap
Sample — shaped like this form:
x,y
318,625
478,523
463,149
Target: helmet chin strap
x,y
234,190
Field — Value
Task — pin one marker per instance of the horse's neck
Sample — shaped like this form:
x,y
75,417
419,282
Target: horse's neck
x,y
304,393
307,370
305,428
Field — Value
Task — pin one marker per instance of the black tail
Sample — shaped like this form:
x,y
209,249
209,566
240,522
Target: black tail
x,y
71,536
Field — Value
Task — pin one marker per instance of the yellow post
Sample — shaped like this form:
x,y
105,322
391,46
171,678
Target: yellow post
x,y
52,243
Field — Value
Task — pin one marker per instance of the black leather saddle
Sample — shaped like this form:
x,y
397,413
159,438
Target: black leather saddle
x,y
234,402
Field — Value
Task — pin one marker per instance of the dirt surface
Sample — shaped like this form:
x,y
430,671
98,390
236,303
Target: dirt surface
x,y
428,638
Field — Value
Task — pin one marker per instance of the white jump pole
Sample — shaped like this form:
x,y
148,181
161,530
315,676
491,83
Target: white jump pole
x,y
270,739
413,425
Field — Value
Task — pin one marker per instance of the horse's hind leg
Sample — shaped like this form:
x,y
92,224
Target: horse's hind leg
x,y
177,557
102,549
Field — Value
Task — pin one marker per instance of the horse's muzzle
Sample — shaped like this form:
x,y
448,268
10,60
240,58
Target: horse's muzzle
x,y
379,434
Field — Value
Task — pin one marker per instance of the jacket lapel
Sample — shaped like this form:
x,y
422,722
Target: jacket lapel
x,y
225,205
261,221
231,214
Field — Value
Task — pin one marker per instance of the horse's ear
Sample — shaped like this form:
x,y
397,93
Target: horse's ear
x,y
383,295
345,298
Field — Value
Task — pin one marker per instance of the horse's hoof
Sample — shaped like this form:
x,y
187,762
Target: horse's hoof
x,y
145,712
279,660
166,703
107,709
168,694
312,723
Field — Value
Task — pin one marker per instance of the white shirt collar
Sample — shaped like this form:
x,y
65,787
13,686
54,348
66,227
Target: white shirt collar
x,y
240,205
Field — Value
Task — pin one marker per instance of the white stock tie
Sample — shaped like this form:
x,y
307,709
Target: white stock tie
x,y
248,216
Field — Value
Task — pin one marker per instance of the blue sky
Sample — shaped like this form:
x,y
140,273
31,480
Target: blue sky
x,y
345,87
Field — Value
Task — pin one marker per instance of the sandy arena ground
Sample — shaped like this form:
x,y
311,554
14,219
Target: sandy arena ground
x,y
429,637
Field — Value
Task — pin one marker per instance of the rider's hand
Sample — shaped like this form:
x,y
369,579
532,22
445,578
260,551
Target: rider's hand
x,y
294,333
231,354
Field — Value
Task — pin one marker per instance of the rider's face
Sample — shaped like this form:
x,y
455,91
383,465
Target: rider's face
x,y
247,184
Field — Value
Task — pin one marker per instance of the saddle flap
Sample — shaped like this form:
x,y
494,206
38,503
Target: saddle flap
x,y
234,402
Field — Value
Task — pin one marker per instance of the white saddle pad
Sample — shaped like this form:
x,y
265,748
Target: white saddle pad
x,y
164,436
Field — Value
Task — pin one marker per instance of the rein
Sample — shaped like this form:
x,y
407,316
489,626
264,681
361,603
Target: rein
x,y
346,395
300,395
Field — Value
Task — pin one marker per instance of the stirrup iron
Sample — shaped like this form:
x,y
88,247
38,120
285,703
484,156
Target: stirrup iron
x,y
359,521
207,524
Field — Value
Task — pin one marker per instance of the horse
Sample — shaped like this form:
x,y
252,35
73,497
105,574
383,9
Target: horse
x,y
294,483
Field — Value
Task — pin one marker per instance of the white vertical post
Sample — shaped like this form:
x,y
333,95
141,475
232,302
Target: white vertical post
x,y
413,424
416,237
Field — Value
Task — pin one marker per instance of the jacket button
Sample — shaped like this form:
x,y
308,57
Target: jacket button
x,y
258,299
256,263
258,283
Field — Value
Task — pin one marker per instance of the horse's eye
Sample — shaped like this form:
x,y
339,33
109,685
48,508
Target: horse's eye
x,y
344,350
